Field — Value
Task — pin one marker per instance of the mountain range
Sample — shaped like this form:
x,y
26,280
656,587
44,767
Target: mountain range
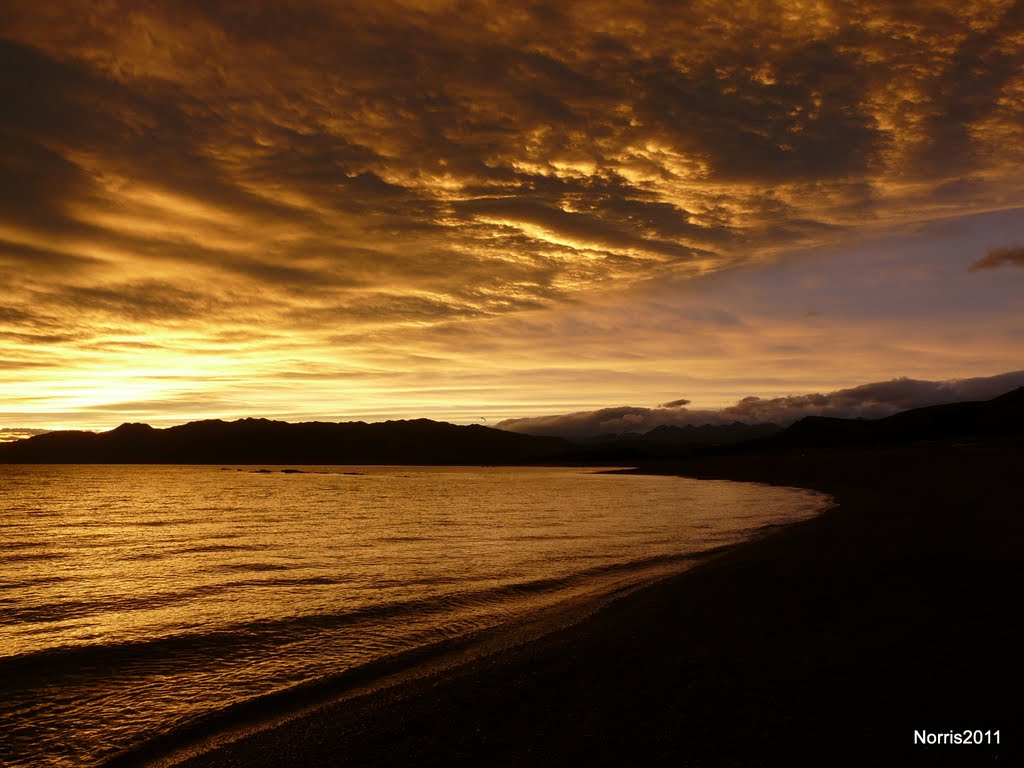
x,y
421,441
261,441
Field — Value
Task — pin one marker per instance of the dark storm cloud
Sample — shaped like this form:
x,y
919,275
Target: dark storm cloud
x,y
809,122
38,180
969,92
872,401
62,115
43,100
675,403
408,123
1012,255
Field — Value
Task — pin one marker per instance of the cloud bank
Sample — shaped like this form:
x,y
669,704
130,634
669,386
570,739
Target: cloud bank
x,y
870,401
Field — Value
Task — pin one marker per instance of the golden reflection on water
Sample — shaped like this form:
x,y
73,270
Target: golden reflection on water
x,y
134,598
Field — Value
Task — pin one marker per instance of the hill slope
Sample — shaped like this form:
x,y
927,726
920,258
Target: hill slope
x,y
1003,415
260,441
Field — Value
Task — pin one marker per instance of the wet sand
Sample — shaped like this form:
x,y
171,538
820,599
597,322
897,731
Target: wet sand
x,y
827,642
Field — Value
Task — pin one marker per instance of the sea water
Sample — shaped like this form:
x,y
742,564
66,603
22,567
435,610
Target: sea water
x,y
137,600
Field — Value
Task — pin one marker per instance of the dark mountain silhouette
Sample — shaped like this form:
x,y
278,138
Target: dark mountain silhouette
x,y
690,434
1001,416
260,441
710,434
668,441
421,441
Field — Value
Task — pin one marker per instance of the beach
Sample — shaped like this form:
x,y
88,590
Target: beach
x,y
826,642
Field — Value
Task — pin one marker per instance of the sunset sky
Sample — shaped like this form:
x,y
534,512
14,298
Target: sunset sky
x,y
489,210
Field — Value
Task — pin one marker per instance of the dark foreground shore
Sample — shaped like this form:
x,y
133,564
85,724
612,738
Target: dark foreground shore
x,y
827,643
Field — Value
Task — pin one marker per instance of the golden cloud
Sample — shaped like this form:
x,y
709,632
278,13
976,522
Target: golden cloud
x,y
295,175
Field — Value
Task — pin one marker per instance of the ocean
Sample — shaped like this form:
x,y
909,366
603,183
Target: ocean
x,y
137,602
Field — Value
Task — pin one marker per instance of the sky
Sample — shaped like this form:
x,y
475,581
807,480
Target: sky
x,y
483,211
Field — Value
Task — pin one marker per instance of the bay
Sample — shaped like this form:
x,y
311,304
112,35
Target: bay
x,y
135,600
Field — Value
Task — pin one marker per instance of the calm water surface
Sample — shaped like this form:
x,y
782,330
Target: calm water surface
x,y
135,599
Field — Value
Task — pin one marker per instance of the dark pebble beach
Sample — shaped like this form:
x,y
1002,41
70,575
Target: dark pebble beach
x,y
829,642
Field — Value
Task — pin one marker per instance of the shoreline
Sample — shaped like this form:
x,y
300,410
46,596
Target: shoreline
x,y
220,728
829,640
